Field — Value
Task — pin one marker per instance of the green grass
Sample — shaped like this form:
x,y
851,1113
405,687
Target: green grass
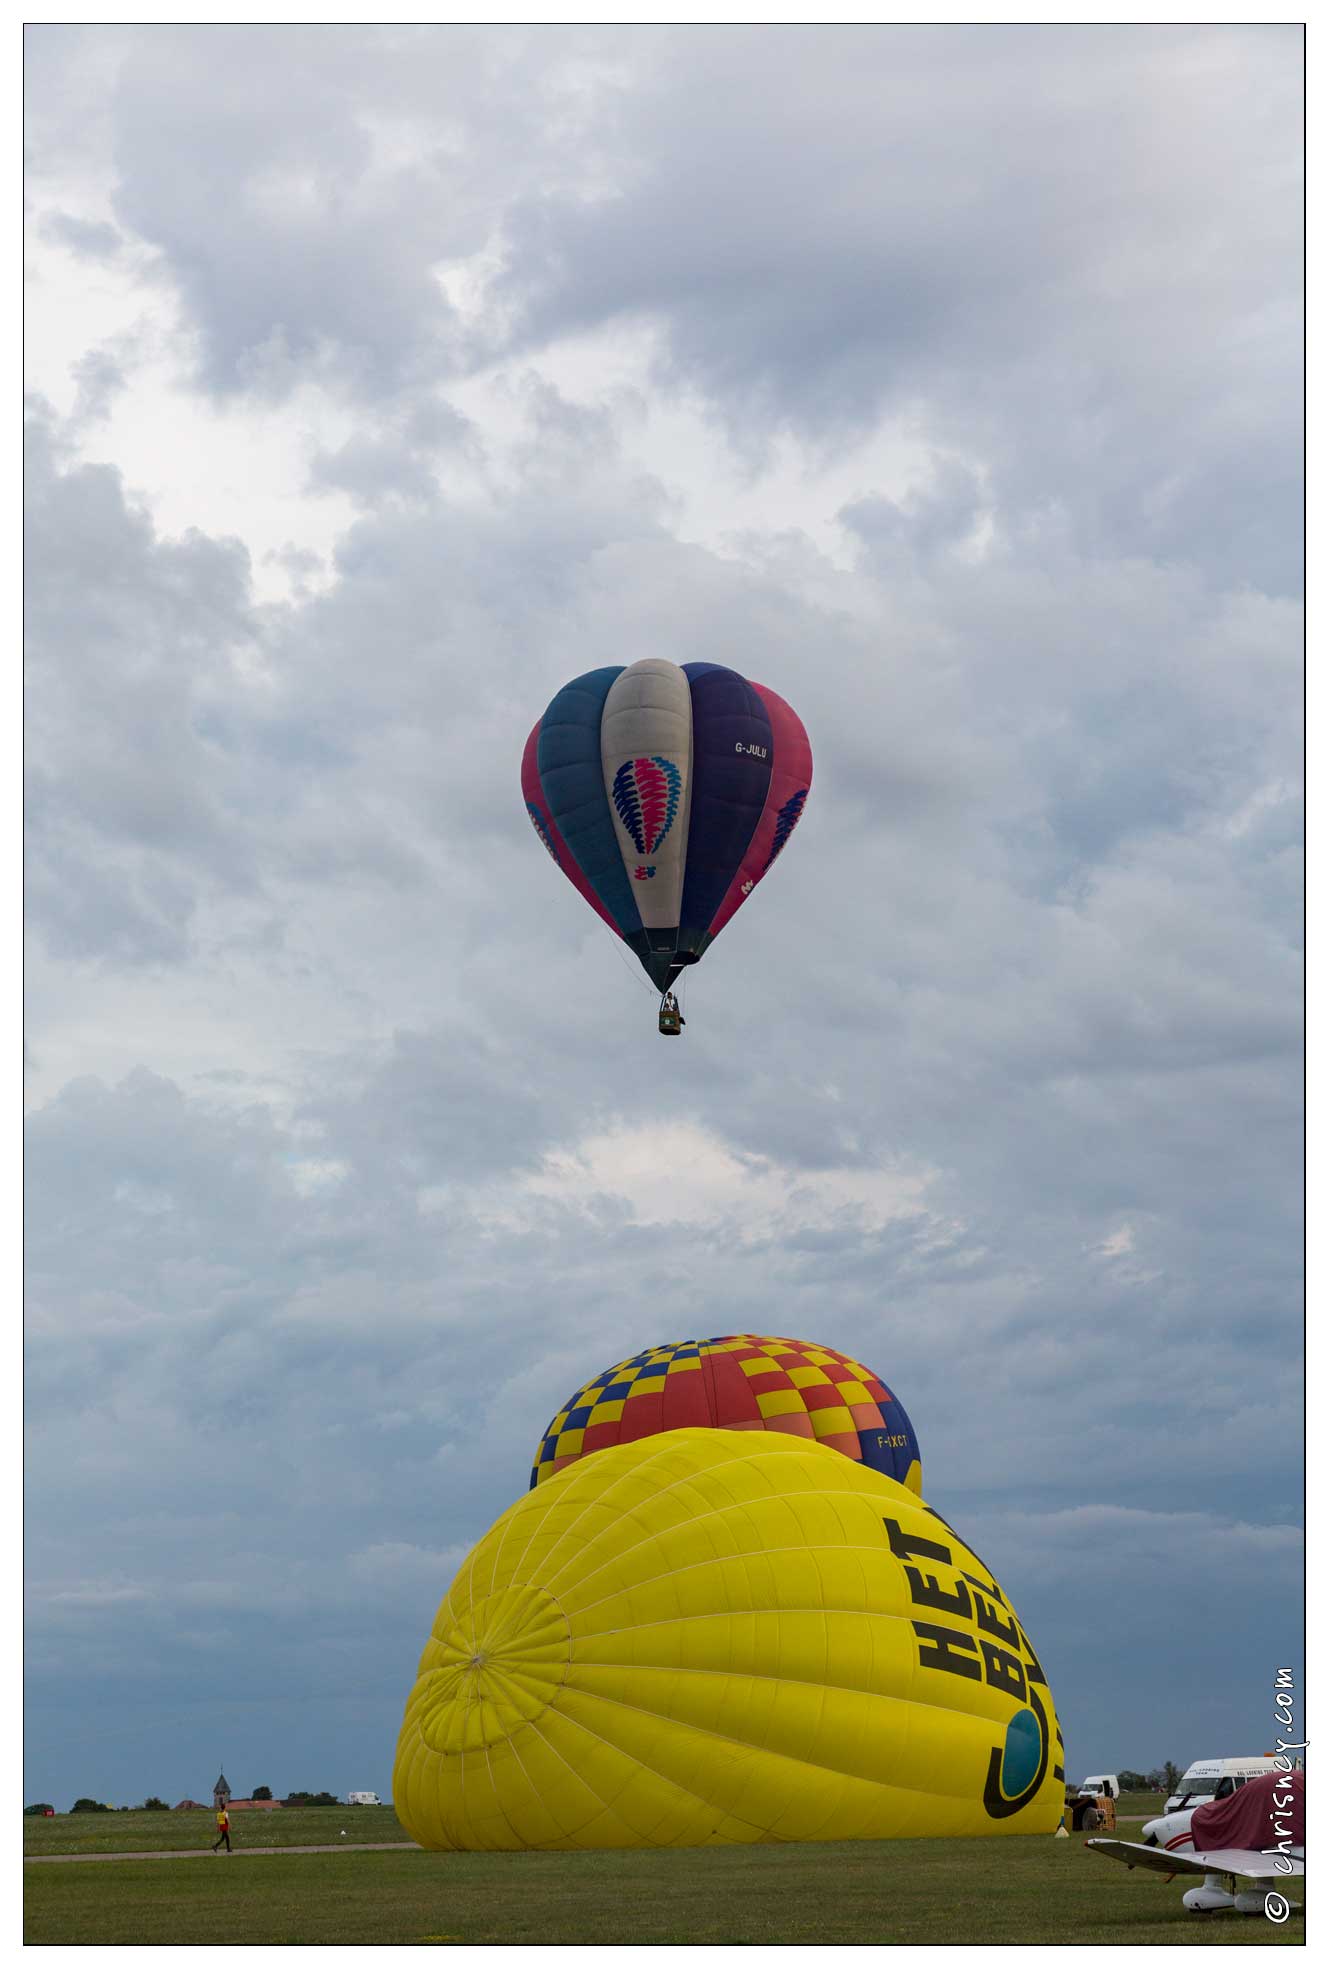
x,y
159,1832
1030,1890
141,1832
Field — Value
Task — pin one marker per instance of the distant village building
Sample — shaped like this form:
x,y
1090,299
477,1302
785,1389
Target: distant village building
x,y
222,1801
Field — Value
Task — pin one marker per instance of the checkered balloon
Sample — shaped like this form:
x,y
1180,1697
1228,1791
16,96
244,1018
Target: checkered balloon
x,y
737,1381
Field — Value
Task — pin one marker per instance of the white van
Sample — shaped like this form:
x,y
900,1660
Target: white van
x,y
1217,1777
1105,1787
363,1798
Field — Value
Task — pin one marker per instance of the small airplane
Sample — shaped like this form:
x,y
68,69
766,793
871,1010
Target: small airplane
x,y
1216,1840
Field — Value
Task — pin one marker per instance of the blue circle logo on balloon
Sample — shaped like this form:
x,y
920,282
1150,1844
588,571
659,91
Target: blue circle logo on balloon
x,y
1022,1754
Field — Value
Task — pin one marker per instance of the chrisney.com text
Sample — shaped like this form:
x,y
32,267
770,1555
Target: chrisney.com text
x,y
1286,1760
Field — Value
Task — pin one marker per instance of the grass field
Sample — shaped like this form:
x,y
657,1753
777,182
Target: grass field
x,y
159,1832
369,1825
1033,1890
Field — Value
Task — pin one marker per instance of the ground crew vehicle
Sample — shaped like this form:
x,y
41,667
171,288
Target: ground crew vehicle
x,y
1109,1786
1217,1777
1090,1811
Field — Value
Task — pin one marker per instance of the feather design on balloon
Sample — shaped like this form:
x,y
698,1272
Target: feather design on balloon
x,y
786,822
538,823
646,796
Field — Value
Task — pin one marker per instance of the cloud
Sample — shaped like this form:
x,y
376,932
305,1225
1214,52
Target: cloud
x,y
940,380
349,166
398,462
682,1175
392,1562
997,231
1065,252
1107,1543
88,1593
116,717
1119,1243
91,239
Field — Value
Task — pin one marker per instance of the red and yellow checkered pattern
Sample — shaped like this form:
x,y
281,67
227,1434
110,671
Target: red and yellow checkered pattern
x,y
740,1381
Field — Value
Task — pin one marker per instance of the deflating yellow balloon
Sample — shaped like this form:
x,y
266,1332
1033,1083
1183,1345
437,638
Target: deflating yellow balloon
x,y
710,1637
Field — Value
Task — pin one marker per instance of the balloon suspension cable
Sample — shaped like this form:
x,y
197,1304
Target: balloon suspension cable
x,y
632,966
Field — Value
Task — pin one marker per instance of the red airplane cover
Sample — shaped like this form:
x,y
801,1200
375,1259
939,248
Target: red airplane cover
x,y
1265,1813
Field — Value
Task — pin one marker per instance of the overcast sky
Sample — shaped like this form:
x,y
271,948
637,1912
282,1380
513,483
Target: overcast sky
x,y
948,382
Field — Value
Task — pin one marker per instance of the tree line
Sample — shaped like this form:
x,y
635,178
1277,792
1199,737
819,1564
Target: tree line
x,y
260,1794
1165,1777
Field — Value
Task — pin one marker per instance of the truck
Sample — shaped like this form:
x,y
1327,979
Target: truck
x,y
1216,1777
1105,1787
363,1798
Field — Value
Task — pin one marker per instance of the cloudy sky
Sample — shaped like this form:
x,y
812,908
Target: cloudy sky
x,y
945,380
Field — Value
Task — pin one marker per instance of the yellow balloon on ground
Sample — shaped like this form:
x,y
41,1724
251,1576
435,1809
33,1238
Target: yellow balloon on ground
x,y
707,1638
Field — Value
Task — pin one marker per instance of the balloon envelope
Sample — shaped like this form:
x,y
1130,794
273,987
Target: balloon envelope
x,y
738,1381
664,795
709,1638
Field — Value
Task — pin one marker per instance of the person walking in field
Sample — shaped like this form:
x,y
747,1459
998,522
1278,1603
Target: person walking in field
x,y
223,1830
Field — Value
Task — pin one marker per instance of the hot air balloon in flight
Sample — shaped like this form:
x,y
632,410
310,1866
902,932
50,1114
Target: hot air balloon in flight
x,y
710,1638
738,1381
664,795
